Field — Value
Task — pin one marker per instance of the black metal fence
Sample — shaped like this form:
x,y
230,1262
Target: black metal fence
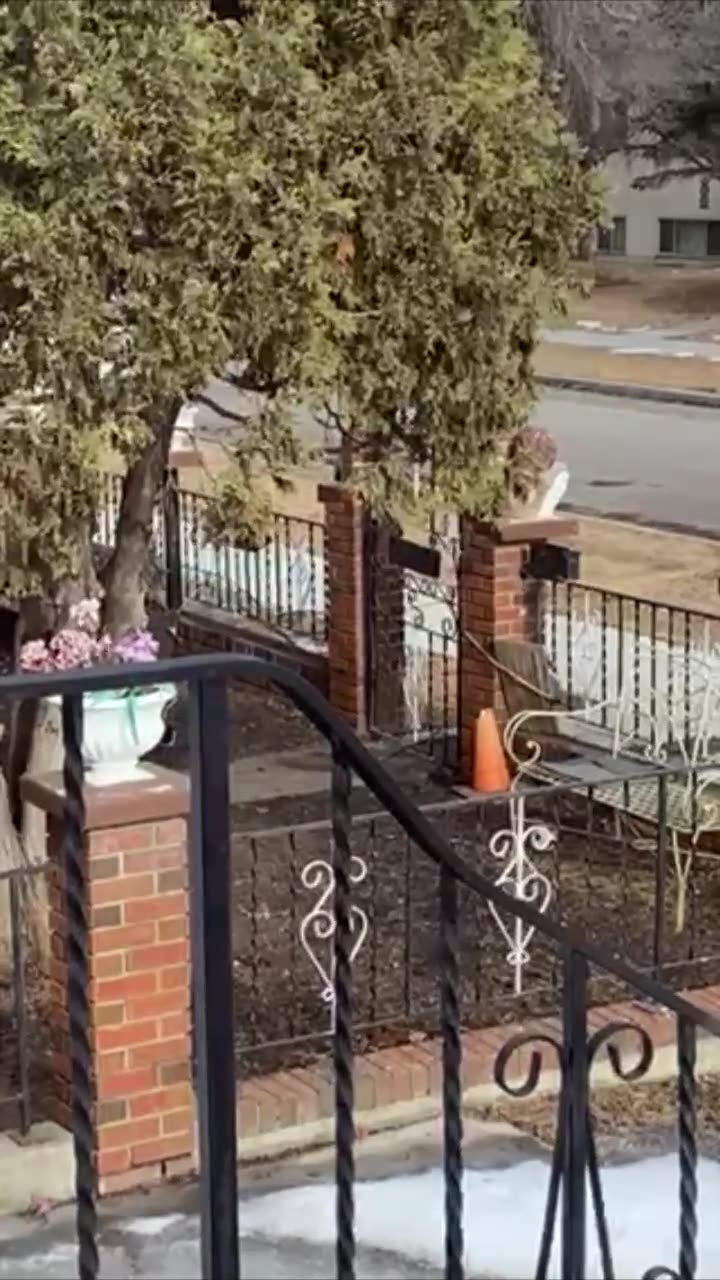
x,y
560,847
578,962
605,646
279,584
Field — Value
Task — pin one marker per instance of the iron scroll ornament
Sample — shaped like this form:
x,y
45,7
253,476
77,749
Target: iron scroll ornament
x,y
605,1038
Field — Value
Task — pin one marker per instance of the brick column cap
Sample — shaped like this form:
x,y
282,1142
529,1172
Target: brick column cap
x,y
162,794
337,493
509,532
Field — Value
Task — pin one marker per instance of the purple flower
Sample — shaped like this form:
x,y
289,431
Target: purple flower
x,y
135,646
78,645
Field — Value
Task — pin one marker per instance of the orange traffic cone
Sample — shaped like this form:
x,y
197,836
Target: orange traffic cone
x,y
489,772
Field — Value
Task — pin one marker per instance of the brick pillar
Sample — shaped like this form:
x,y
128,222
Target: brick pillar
x,y
139,974
497,601
345,521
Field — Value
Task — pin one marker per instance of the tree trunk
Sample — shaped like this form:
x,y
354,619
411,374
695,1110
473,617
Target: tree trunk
x,y
125,575
586,248
33,745
11,858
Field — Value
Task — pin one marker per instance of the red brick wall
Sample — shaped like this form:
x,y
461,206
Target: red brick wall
x,y
139,999
496,602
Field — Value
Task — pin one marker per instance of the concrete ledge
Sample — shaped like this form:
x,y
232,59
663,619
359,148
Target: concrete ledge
x,y
37,1166
293,1110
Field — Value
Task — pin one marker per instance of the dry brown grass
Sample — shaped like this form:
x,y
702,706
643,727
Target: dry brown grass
x,y
669,567
562,360
628,295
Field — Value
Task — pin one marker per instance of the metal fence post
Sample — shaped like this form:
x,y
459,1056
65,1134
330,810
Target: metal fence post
x,y
576,1101
660,880
212,961
173,541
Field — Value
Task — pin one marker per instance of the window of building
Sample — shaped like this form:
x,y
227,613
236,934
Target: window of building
x,y
690,237
612,239
704,193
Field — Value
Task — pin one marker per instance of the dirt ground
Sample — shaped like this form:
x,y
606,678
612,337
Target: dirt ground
x,y
629,295
604,885
671,568
628,1117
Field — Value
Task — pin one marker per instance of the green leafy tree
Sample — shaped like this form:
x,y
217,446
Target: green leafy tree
x,y
468,203
162,210
364,206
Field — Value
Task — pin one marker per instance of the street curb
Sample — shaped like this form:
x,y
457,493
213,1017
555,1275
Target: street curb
x,y
631,391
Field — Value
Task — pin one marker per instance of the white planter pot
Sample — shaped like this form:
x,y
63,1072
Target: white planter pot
x,y
119,727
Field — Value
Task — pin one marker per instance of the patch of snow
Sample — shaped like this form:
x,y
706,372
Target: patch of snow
x,y
635,351
588,324
503,1218
153,1226
290,1235
683,355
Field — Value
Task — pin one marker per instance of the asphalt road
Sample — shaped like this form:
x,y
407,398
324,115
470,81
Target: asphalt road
x,y
632,458
654,462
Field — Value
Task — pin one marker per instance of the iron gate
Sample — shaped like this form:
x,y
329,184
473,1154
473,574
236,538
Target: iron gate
x,y
412,636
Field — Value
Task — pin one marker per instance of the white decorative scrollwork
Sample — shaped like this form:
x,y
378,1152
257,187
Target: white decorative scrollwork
x,y
522,880
318,925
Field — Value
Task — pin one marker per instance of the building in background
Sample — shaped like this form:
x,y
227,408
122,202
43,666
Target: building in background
x,y
678,220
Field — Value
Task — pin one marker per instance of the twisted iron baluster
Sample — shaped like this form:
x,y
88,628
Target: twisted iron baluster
x,y
561,1167
524,1089
78,977
342,1042
686,1047
451,1054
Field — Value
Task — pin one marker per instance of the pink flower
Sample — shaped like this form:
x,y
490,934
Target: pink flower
x,y
35,656
78,645
71,648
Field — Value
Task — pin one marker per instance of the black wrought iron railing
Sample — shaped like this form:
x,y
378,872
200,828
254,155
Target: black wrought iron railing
x,y
564,847
605,645
280,583
575,1184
